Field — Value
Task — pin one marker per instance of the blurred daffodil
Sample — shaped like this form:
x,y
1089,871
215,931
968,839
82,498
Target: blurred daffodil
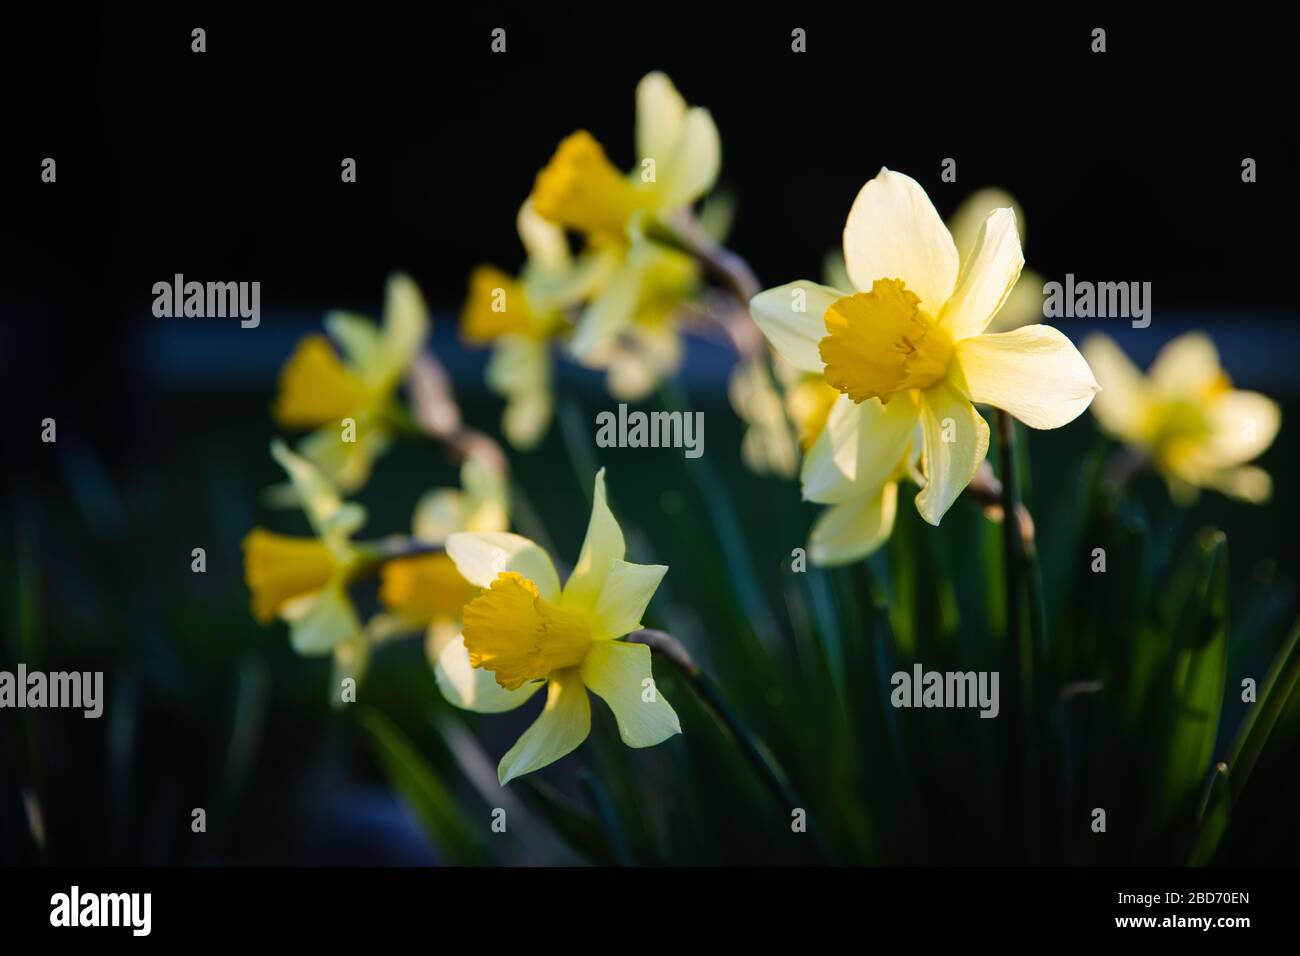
x,y
425,592
304,580
767,446
528,632
350,400
914,342
521,316
628,325
1185,417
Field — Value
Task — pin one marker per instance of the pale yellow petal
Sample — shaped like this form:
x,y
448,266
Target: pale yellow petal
x,y
543,240
1187,366
562,725
692,164
955,441
894,232
1242,426
850,531
620,675
660,110
325,509
793,317
965,224
627,590
481,556
1035,373
321,622
987,277
475,688
859,449
1121,404
603,546
406,326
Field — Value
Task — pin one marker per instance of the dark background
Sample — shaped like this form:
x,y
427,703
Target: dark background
x,y
225,166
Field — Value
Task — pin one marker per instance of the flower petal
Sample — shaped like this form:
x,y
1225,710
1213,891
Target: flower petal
x,y
562,725
406,325
894,232
852,530
1243,425
1035,373
859,449
987,277
955,440
619,673
321,622
627,590
475,688
1121,404
543,240
1187,366
609,313
793,317
660,110
691,166
329,515
481,556
601,549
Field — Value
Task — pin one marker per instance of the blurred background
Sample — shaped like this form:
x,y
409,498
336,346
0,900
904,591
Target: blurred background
x,y
225,166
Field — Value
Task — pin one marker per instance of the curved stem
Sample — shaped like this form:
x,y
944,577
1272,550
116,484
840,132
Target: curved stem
x,y
764,766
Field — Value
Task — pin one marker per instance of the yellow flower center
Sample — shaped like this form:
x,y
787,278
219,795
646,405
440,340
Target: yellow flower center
x,y
510,630
279,568
425,588
496,306
881,343
581,189
316,387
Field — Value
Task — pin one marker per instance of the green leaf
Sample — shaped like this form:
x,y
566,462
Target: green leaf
x,y
432,802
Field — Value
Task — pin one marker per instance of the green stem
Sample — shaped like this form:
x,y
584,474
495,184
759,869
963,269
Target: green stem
x,y
765,768
1012,566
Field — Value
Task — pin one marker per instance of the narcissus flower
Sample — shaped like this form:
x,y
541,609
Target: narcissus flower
x,y
1185,417
521,316
679,155
528,632
321,390
913,340
304,580
426,593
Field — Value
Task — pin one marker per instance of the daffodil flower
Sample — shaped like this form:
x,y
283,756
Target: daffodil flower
x,y
321,391
528,632
1185,417
766,446
679,154
426,593
911,357
520,318
304,580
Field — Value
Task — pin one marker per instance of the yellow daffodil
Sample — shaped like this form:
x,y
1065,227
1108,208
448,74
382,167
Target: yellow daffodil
x,y
910,354
426,593
321,391
767,446
679,155
304,581
1185,416
527,632
519,317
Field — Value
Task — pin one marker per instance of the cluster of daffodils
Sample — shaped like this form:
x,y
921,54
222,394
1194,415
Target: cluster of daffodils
x,y
496,624
908,354
617,303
